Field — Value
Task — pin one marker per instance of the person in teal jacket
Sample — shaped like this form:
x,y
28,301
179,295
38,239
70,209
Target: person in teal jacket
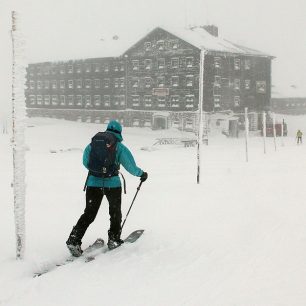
x,y
97,187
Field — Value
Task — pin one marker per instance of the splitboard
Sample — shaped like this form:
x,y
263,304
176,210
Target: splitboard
x,y
89,254
131,238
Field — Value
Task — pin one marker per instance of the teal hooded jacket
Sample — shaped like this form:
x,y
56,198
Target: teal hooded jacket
x,y
123,157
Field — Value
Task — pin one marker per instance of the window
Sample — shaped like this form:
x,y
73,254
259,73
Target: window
x,y
88,101
225,82
148,82
135,101
78,100
88,67
261,86
54,84
79,83
135,65
175,101
160,81
39,99
148,64
97,100
38,70
62,69
97,67
189,62
116,82
237,84
174,44
247,84
62,100
97,83
78,68
46,70
106,83
189,80
106,100
189,101
217,82
147,101
161,102
38,84
47,84
116,67
32,84
70,84
70,68
106,68
237,63
147,46
217,62
217,100
175,81
54,100
122,100
161,63
247,64
160,44
32,99
135,83
237,101
47,100
62,84
174,62
87,83
121,81
116,100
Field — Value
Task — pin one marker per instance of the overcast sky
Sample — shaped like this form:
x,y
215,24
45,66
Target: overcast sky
x,y
61,29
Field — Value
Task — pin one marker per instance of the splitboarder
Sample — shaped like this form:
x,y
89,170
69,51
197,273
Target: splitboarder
x,y
103,157
299,136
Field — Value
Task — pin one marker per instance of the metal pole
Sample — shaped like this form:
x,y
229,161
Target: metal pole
x,y
200,120
138,188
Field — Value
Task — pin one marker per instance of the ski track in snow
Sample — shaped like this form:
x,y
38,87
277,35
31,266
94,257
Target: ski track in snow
x,y
236,239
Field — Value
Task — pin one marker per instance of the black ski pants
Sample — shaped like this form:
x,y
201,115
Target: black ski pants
x,y
94,196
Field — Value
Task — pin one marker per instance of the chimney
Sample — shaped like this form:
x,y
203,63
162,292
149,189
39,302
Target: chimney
x,y
211,29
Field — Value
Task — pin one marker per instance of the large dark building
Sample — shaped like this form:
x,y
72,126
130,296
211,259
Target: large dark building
x,y
155,82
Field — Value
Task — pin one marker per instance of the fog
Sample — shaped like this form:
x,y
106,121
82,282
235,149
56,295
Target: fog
x,y
63,29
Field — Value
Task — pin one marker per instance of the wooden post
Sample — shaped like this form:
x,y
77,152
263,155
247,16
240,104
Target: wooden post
x,y
274,131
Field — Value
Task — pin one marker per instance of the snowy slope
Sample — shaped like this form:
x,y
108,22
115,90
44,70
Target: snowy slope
x,y
238,238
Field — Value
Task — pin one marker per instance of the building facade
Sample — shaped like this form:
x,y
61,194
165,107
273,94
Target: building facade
x,y
155,83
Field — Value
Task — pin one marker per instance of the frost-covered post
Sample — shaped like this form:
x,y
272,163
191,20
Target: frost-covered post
x,y
264,130
200,120
246,120
274,131
18,125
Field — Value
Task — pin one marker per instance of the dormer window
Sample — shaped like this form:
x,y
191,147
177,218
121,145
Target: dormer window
x,y
135,65
160,45
217,62
147,46
237,64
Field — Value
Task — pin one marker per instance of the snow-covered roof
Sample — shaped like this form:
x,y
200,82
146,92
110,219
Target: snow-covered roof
x,y
201,39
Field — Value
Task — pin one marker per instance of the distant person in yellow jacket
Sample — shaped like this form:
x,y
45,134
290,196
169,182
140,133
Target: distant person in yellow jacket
x,y
299,135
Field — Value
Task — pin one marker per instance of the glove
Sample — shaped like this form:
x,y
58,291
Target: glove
x,y
144,176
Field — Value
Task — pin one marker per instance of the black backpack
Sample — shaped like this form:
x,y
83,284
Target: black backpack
x,y
103,155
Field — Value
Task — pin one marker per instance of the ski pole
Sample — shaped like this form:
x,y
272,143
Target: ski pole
x,y
138,188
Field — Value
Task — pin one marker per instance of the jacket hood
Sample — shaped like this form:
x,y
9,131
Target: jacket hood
x,y
115,128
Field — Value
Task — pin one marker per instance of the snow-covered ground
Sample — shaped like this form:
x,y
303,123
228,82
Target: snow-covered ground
x,y
237,239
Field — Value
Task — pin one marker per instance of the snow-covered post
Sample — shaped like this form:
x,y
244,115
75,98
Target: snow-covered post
x,y
274,131
246,120
264,130
200,120
18,125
